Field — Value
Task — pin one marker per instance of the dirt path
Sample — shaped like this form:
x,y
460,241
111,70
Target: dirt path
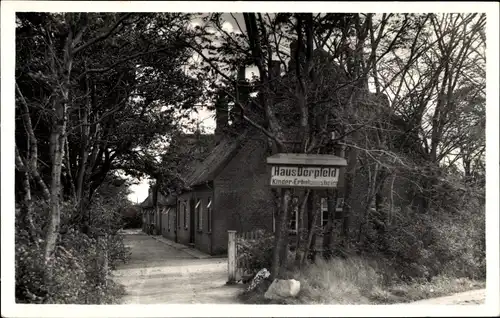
x,y
471,297
160,274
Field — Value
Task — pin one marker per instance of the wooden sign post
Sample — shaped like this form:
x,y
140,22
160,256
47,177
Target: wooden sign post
x,y
311,171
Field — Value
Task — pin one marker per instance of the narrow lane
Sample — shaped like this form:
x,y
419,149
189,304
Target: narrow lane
x,y
472,297
160,274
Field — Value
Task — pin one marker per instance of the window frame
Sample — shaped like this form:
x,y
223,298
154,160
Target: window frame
x,y
199,214
339,204
209,215
186,221
167,213
295,209
324,210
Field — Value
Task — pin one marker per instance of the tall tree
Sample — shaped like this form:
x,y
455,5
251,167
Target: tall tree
x,y
101,87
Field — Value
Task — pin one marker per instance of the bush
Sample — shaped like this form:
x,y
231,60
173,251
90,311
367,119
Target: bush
x,y
445,240
256,254
76,274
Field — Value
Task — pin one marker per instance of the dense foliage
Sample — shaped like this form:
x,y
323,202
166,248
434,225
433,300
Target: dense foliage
x,y
400,96
404,96
94,91
80,271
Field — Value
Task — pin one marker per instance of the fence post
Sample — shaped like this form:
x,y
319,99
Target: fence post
x,y
231,256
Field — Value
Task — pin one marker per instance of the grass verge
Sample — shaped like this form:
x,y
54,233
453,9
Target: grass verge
x,y
358,281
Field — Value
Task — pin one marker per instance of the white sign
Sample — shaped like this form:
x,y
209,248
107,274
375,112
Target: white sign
x,y
304,176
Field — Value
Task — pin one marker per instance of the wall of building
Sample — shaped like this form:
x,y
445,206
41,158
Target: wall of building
x,y
182,225
203,234
158,220
149,217
170,223
144,220
167,228
243,199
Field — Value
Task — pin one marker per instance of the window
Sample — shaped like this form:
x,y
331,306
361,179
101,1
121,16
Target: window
x,y
324,212
179,211
209,215
293,224
339,205
199,214
185,215
168,218
324,209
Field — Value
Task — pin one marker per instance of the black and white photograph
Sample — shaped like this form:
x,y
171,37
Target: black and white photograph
x,y
284,154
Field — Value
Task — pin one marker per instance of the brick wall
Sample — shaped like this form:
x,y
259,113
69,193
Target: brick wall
x,y
243,196
203,236
183,208
170,233
167,218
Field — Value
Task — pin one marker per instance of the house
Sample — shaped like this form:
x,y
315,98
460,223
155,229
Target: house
x,y
228,190
167,217
152,213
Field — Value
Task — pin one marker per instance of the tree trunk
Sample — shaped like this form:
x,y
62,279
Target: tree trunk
x,y
55,190
312,226
27,203
328,232
301,230
71,181
58,137
285,230
84,134
348,186
281,232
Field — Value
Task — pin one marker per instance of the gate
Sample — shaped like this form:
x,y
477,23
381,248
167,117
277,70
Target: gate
x,y
237,261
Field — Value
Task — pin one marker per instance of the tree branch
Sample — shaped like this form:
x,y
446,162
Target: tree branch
x,y
103,36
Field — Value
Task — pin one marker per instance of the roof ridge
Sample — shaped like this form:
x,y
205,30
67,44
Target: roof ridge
x,y
216,159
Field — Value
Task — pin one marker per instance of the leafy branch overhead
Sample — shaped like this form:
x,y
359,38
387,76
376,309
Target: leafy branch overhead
x,y
96,88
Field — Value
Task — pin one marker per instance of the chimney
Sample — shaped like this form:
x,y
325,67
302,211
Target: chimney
x,y
221,116
241,73
274,73
243,97
294,47
155,194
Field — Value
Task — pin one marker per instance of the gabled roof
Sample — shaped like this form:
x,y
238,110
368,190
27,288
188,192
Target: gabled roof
x,y
208,169
162,201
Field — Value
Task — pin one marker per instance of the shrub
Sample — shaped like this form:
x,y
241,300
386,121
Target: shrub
x,y
256,254
76,272
442,233
423,245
